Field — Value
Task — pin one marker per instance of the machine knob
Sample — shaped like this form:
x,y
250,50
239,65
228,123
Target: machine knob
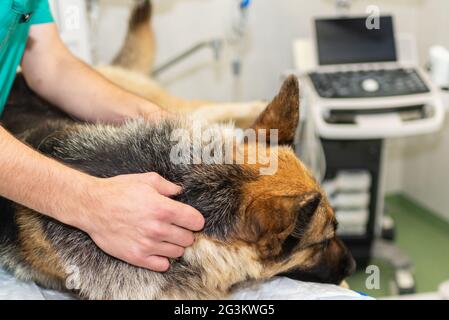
x,y
370,85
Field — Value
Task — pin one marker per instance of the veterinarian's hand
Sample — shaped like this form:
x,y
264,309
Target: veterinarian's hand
x,y
131,217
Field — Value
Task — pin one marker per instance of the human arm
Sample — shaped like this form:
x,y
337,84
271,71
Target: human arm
x,y
59,77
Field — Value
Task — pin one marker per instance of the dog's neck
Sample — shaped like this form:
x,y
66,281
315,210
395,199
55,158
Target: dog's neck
x,y
219,268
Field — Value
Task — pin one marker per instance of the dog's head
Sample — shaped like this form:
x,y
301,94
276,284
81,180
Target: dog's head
x,y
283,217
286,215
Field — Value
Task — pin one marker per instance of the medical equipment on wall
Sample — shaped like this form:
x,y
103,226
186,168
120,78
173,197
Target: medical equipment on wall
x,y
237,35
362,86
234,40
216,45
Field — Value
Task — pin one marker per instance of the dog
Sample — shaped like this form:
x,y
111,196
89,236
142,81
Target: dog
x,y
257,226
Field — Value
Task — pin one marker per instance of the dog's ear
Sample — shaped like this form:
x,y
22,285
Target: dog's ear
x,y
282,113
272,221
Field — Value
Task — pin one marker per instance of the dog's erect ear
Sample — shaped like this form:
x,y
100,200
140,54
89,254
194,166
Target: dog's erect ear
x,y
282,113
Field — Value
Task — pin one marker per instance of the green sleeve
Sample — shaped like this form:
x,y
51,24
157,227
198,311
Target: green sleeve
x,y
42,13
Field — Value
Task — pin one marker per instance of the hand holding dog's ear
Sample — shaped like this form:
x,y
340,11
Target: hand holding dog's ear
x,y
282,113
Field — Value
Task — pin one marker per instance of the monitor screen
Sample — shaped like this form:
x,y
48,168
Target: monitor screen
x,y
348,40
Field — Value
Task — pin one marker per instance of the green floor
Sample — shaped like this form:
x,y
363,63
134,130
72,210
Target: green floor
x,y
424,237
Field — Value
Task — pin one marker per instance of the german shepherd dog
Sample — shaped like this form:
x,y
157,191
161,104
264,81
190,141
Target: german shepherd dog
x,y
257,226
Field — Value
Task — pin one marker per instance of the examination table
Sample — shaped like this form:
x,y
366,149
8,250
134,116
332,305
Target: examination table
x,y
278,288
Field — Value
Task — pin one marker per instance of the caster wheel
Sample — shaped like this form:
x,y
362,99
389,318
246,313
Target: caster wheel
x,y
404,282
388,229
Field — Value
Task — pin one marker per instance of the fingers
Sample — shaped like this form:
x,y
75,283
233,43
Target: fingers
x,y
158,260
168,250
172,211
184,216
163,231
178,236
156,263
164,187
153,255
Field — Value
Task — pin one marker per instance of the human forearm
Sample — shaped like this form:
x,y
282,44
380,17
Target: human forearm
x,y
75,87
37,182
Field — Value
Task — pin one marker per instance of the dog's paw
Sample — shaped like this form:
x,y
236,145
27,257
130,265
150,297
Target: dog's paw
x,y
243,114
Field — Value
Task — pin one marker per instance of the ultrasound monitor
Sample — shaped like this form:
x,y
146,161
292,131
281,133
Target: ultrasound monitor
x,y
350,40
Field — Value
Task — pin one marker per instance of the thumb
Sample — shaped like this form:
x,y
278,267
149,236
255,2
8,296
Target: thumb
x,y
156,263
164,187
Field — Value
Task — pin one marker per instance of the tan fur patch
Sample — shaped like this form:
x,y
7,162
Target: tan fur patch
x,y
282,113
35,248
139,49
224,264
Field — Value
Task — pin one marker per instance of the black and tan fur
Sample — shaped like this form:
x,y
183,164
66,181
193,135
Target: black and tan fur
x,y
256,226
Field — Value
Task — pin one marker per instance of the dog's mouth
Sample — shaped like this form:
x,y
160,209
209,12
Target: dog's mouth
x,y
317,275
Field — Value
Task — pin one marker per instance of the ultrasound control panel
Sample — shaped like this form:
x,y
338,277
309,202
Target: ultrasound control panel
x,y
371,83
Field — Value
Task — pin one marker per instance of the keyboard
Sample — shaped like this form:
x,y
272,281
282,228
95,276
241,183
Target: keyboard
x,y
368,83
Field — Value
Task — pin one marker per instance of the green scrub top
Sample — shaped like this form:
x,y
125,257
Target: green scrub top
x,y
16,17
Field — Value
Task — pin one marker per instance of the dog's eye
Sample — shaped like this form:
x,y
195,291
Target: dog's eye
x,y
335,225
323,244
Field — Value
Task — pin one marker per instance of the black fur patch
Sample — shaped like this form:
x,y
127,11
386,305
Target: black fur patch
x,y
8,228
141,13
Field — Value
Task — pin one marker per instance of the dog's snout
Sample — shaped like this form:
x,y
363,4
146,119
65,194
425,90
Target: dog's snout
x,y
347,262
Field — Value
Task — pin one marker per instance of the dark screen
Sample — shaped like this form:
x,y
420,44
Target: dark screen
x,y
348,40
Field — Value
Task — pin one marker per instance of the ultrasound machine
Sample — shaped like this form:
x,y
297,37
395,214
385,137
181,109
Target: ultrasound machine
x,y
362,87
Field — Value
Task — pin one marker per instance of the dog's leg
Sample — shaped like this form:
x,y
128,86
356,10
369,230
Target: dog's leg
x,y
139,48
149,89
243,114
